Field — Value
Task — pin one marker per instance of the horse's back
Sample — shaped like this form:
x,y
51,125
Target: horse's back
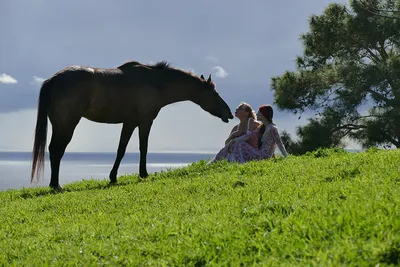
x,y
107,95
73,75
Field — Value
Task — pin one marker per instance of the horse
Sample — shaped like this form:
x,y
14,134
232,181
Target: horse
x,y
132,94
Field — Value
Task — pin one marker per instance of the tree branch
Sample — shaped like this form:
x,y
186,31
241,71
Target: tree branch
x,y
349,127
394,141
381,97
345,134
370,116
382,50
326,99
374,58
395,42
377,9
378,12
377,59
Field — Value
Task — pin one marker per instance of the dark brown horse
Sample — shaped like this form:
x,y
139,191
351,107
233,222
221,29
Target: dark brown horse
x,y
131,94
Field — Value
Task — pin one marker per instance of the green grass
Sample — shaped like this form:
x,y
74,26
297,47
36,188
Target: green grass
x,y
327,208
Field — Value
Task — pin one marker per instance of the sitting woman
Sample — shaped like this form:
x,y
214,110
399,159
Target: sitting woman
x,y
270,137
267,137
244,131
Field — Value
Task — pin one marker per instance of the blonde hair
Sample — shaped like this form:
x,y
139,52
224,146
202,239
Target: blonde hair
x,y
249,109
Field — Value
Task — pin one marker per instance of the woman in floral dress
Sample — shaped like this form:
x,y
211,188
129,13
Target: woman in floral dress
x,y
243,132
270,138
266,134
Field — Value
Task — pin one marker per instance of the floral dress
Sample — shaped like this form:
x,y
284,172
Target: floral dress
x,y
270,140
242,150
250,138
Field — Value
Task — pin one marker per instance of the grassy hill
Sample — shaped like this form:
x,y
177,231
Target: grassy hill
x,y
326,208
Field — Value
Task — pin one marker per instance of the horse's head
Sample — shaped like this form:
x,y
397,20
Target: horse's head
x,y
209,100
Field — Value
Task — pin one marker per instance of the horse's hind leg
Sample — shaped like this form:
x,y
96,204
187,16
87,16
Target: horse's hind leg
x,y
126,133
59,141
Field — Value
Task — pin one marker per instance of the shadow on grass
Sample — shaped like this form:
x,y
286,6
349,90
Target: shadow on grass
x,y
95,184
200,168
104,184
391,254
78,186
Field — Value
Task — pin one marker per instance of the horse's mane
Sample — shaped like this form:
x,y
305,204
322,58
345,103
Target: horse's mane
x,y
129,64
162,66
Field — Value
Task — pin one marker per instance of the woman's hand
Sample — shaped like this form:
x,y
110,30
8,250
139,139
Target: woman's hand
x,y
231,143
233,136
236,134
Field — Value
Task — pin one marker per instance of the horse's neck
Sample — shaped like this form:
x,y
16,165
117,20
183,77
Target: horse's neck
x,y
173,94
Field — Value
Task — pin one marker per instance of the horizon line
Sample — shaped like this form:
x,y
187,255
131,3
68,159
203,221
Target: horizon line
x,y
128,152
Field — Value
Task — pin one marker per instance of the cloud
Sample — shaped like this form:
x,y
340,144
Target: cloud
x,y
37,80
212,59
220,72
7,79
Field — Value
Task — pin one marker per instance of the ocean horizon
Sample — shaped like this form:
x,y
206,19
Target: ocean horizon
x,y
75,166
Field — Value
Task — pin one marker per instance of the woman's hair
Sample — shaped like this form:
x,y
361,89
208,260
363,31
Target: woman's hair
x,y
249,109
268,113
262,131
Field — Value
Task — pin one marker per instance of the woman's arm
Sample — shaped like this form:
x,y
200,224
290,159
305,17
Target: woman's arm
x,y
267,147
234,133
253,131
278,141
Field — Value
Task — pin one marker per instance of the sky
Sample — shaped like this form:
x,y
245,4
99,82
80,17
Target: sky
x,y
241,45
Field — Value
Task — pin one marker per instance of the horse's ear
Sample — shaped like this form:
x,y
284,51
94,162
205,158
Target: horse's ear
x,y
202,77
209,79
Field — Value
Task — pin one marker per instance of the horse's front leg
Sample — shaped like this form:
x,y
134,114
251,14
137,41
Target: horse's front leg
x,y
144,132
126,133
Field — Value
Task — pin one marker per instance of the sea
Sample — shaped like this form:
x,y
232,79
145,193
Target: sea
x,y
76,166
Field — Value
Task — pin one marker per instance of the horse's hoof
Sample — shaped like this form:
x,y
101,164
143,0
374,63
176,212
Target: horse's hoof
x,y
112,182
143,174
57,188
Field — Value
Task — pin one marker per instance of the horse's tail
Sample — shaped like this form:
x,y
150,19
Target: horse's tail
x,y
39,145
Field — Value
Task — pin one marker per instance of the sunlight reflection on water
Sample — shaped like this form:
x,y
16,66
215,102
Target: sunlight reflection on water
x,y
15,169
